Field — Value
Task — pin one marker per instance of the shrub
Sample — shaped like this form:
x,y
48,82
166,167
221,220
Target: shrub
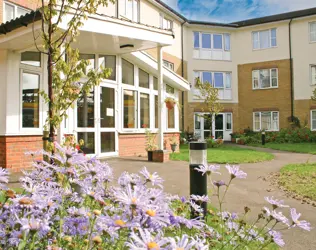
x,y
72,202
212,143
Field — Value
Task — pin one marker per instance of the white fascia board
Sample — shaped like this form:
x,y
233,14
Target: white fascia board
x,y
170,77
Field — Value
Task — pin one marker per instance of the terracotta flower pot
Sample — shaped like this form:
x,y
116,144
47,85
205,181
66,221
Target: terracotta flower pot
x,y
170,105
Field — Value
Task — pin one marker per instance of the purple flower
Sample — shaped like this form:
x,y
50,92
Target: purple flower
x,y
184,243
235,172
277,238
33,224
198,198
210,169
219,183
153,178
76,226
302,224
275,203
4,178
278,216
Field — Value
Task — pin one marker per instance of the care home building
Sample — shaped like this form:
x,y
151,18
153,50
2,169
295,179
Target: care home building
x,y
264,68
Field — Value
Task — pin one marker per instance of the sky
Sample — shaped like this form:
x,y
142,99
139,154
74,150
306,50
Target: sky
x,y
226,11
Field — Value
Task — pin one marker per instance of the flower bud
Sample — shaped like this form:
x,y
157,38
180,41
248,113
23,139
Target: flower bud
x,y
96,212
97,239
68,238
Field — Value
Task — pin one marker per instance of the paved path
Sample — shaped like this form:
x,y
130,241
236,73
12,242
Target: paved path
x,y
249,192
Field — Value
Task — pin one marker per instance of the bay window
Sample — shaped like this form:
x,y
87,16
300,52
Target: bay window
x,y
12,11
313,119
130,108
313,74
127,73
264,39
312,32
267,121
265,78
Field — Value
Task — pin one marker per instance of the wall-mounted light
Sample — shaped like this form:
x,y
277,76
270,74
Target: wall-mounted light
x,y
127,46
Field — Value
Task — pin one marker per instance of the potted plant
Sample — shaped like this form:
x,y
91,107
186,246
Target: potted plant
x,y
150,144
174,140
170,102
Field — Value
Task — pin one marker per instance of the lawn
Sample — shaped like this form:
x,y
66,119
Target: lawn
x,y
225,154
309,148
299,179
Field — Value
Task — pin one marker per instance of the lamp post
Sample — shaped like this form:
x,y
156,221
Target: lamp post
x,y
198,182
263,138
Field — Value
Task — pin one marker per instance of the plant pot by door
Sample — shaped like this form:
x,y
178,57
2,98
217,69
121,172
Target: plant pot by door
x,y
150,155
173,147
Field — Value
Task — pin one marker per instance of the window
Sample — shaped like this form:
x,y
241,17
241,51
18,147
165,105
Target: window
x,y
265,78
206,41
228,121
12,11
131,10
268,121
85,110
218,41
155,83
227,42
127,72
31,58
109,62
211,41
313,74
264,39
218,80
313,119
196,39
143,79
130,108
144,111
171,118
312,32
30,100
165,23
90,58
169,89
168,64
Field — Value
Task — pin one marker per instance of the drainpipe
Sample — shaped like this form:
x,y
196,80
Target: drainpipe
x,y
182,72
291,71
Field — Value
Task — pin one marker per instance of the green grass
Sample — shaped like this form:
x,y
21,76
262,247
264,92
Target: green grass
x,y
226,154
299,179
309,148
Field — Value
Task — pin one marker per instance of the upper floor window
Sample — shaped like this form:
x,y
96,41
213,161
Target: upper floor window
x,y
31,58
313,74
265,78
165,23
312,32
268,121
12,11
132,10
168,64
264,39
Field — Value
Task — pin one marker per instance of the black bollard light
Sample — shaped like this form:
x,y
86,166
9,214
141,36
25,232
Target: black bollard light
x,y
198,182
263,138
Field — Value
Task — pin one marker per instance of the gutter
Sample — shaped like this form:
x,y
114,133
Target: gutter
x,y
291,71
182,72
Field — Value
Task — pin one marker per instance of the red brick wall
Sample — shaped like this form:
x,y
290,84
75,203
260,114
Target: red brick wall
x,y
13,148
134,144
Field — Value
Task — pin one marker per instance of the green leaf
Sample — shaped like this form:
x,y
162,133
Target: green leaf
x,y
22,245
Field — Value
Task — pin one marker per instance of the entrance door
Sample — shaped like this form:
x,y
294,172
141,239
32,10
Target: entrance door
x,y
219,126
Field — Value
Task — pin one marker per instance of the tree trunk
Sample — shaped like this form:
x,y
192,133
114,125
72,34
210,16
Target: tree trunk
x,y
51,96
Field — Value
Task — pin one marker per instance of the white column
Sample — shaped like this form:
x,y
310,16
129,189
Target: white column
x,y
161,99
213,125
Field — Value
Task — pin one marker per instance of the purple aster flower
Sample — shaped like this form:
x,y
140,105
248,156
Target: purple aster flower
x,y
155,218
277,238
278,216
198,198
197,208
153,178
4,178
210,169
275,203
33,224
76,226
145,241
219,183
235,172
302,224
183,199
179,221
183,243
134,197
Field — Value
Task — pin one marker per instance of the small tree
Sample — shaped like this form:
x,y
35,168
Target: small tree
x,y
65,70
209,95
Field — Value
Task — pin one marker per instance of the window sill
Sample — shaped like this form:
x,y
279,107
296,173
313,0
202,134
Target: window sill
x,y
215,60
265,48
266,88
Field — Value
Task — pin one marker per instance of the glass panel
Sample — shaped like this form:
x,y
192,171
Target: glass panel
x,y
313,72
85,111
144,111
207,77
228,80
227,42
265,78
129,9
107,142
228,121
9,12
255,40
90,58
197,120
275,118
130,107
273,38
207,122
218,41
257,122
171,118
143,79
313,32
206,41
196,39
127,72
219,122
155,83
207,134
219,80
156,111
30,100
219,134
88,138
264,39
107,109
21,12
109,62
31,58
313,119
135,10
255,79
266,120
169,89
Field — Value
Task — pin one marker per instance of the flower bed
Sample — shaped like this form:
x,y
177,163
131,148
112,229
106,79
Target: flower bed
x,y
76,203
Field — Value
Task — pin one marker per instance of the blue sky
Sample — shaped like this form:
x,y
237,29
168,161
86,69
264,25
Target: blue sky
x,y
235,10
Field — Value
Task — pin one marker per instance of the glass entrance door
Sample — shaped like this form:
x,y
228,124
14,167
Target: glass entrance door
x,y
219,126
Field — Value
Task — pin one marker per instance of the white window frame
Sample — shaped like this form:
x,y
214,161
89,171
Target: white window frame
x,y
311,115
162,18
168,64
138,9
38,70
270,39
176,112
15,10
311,74
310,32
212,41
260,114
259,85
226,115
